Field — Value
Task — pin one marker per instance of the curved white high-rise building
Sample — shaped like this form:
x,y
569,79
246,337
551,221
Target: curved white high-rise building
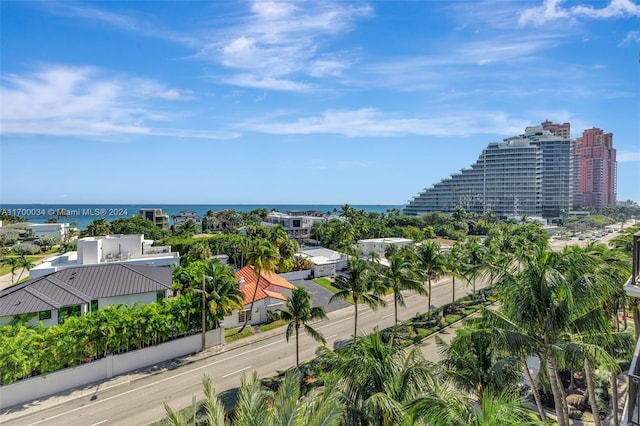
x,y
528,175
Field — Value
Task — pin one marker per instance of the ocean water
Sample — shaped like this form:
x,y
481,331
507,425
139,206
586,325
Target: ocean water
x,y
84,214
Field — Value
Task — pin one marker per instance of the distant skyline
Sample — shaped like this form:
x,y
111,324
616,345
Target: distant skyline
x,y
298,102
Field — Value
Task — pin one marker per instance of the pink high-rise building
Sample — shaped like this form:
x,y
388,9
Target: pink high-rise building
x,y
596,168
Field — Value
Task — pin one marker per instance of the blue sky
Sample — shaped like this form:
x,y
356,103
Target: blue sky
x,y
301,102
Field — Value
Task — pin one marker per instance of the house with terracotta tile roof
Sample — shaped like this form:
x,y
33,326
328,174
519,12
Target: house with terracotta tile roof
x,y
271,295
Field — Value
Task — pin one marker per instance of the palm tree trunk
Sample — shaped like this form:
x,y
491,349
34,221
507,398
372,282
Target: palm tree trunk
x,y
429,296
395,307
614,398
355,321
253,300
453,291
534,389
591,388
572,383
557,398
297,346
563,395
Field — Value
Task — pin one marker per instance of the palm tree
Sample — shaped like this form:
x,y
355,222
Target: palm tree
x,y
431,264
25,264
445,406
359,284
277,236
14,263
379,380
477,364
474,265
259,406
213,406
541,300
398,277
264,258
298,313
453,266
221,291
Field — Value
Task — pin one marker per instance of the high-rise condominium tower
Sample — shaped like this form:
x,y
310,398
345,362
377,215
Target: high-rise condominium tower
x,y
528,174
596,169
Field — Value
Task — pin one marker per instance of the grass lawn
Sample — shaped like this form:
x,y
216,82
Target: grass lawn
x,y
272,325
6,269
231,334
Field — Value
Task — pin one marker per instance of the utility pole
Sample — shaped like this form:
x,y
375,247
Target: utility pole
x,y
204,312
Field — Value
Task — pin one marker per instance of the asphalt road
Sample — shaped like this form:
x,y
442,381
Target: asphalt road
x,y
139,402
137,399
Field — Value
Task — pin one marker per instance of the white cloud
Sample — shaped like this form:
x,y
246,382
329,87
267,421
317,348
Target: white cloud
x,y
632,37
151,89
551,10
128,23
615,9
259,82
84,101
369,122
282,42
628,157
548,11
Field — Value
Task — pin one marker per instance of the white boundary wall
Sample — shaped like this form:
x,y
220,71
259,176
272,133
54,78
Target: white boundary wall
x,y
105,368
296,275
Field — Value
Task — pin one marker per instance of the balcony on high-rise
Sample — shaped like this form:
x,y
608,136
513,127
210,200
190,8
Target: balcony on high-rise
x,y
631,415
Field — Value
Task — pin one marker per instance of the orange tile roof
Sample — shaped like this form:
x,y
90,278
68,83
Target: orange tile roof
x,y
274,295
267,279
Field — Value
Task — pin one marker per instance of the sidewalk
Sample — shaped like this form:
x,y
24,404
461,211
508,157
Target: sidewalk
x,y
127,378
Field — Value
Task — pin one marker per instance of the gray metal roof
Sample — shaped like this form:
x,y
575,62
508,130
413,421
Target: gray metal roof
x,y
74,286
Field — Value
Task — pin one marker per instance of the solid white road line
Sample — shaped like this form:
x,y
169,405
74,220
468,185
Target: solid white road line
x,y
235,372
335,322
387,316
100,401
99,423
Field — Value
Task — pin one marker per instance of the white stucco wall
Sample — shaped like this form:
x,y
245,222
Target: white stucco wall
x,y
122,244
58,381
44,229
89,252
259,315
34,322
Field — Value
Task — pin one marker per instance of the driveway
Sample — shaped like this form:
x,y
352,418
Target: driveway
x,y
321,295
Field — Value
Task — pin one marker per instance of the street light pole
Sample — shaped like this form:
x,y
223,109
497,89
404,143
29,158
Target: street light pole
x,y
204,313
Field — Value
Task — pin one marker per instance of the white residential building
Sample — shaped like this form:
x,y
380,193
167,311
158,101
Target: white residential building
x,y
271,295
185,216
379,245
326,262
43,229
297,224
126,249
76,291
